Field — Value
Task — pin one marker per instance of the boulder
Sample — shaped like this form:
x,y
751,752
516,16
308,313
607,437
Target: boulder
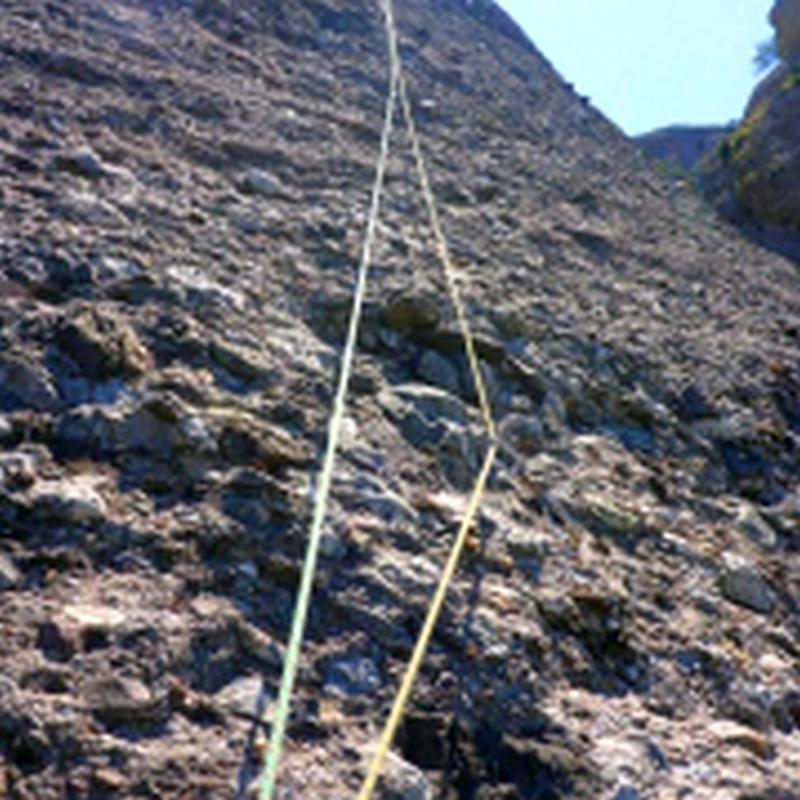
x,y
17,469
241,696
10,576
412,314
26,383
101,344
258,182
71,501
742,584
118,700
439,371
732,733
403,781
755,527
349,675
83,162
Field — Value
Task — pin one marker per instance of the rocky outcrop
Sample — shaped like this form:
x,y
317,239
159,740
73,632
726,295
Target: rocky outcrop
x,y
183,190
785,18
753,175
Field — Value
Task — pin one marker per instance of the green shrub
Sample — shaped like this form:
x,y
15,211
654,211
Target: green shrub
x,y
766,55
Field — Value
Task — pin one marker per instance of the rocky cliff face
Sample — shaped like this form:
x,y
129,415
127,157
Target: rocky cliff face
x,y
753,175
183,189
785,18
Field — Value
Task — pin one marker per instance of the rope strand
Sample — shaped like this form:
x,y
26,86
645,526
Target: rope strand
x,y
397,89
292,657
443,251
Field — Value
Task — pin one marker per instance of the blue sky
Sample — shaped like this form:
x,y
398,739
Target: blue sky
x,y
650,63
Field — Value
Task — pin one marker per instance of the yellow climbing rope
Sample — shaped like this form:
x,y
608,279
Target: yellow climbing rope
x,y
292,657
404,692
397,88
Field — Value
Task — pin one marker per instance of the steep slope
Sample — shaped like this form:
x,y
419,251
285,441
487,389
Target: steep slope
x,y
182,199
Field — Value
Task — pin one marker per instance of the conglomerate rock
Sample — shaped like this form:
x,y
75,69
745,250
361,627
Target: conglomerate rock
x,y
183,192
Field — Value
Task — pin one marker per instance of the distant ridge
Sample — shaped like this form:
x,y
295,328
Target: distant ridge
x,y
682,145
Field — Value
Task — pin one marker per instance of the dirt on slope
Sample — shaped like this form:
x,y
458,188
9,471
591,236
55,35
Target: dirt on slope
x,y
183,189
